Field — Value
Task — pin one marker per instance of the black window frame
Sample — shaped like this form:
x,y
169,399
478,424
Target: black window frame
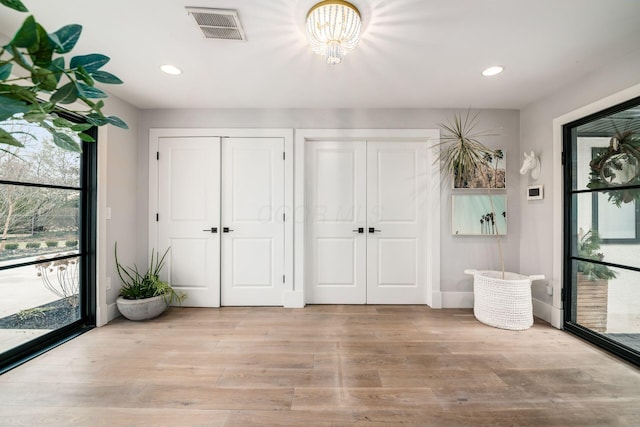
x,y
570,191
88,188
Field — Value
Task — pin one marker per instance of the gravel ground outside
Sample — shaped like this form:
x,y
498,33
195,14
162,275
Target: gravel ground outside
x,y
52,315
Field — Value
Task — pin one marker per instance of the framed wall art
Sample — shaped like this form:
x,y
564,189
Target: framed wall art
x,y
494,176
472,214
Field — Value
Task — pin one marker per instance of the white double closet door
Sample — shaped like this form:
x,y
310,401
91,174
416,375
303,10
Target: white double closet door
x,y
367,222
220,206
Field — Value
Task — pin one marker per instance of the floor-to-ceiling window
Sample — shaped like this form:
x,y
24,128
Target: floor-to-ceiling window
x,y
602,228
47,242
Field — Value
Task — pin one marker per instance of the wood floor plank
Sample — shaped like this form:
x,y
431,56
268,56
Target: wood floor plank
x,y
299,378
321,365
107,417
361,398
214,397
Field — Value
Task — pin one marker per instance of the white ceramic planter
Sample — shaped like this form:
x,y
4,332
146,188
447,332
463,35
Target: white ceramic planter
x,y
141,309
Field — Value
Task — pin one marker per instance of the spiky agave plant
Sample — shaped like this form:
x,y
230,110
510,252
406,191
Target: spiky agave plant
x,y
462,154
140,285
462,157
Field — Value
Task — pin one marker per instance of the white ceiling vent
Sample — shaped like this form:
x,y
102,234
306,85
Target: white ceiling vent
x,y
223,24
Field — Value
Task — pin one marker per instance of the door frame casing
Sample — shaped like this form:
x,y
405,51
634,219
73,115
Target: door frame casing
x,y
430,136
155,134
556,317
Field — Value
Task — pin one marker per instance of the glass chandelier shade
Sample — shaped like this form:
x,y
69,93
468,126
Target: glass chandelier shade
x,y
333,29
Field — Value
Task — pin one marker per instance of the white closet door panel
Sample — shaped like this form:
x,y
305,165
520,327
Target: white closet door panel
x,y
396,196
341,255
252,262
188,209
252,208
336,189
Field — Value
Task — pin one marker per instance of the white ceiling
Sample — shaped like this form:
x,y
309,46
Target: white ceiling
x,y
413,53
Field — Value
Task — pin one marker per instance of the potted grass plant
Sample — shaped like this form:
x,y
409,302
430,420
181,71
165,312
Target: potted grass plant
x,y
144,295
592,284
501,299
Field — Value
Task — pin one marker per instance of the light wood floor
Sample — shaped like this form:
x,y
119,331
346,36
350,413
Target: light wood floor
x,y
321,365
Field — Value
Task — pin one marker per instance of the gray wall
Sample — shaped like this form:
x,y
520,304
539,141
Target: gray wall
x,y
457,253
121,193
536,133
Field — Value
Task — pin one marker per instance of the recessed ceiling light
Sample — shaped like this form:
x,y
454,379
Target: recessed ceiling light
x,y
171,69
492,71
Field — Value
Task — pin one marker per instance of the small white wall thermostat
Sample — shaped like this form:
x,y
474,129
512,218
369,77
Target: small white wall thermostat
x,y
535,192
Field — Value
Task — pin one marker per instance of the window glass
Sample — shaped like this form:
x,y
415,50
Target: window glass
x,y
44,192
603,229
39,161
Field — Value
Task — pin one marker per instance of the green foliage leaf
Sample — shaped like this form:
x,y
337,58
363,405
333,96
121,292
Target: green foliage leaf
x,y
66,38
57,64
44,78
86,138
35,117
27,35
47,106
56,67
5,70
90,63
15,5
97,119
33,49
65,142
86,91
20,93
66,94
62,123
18,57
24,94
588,247
80,127
7,138
117,122
42,51
83,75
9,107
105,77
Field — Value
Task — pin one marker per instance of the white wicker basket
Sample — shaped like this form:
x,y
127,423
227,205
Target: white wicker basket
x,y
503,303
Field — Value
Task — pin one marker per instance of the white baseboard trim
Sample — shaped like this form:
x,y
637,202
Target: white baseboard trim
x,y
436,300
457,299
293,299
548,313
542,310
557,318
112,312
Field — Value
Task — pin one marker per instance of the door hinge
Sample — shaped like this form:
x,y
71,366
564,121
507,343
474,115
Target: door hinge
x,y
283,218
283,155
283,278
157,155
563,159
157,217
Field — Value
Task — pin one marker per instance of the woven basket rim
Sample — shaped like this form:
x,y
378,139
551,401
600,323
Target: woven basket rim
x,y
510,277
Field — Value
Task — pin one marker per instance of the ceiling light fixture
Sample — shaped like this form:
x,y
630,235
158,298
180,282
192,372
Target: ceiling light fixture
x,y
171,69
333,29
492,71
